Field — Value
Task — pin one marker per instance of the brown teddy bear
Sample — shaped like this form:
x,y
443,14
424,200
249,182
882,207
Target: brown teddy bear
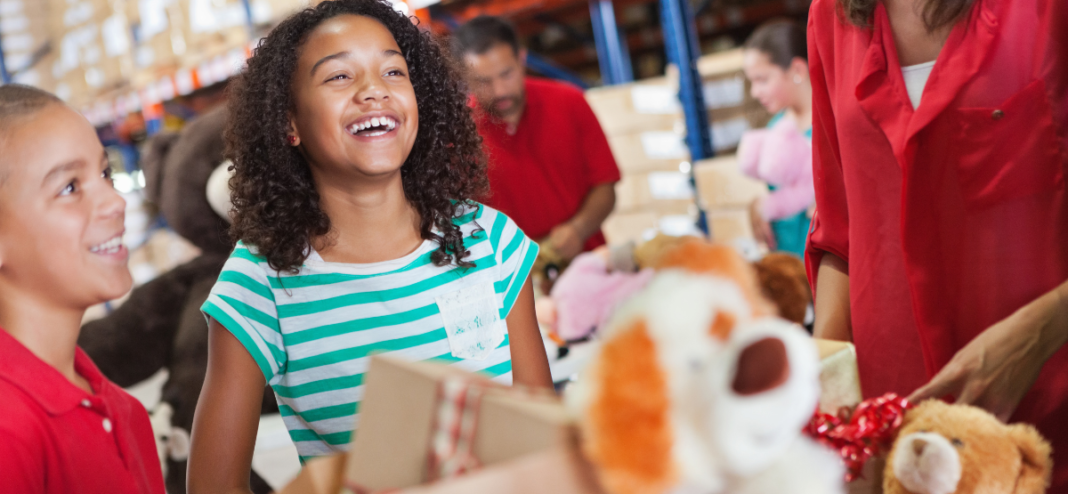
x,y
943,449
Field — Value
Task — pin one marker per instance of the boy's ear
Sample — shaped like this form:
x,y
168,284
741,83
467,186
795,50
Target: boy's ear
x,y
523,57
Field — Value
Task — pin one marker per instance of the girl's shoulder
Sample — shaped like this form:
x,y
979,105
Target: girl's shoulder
x,y
480,216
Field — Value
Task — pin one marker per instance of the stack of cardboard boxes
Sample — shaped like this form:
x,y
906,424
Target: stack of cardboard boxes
x,y
94,50
24,38
645,128
91,48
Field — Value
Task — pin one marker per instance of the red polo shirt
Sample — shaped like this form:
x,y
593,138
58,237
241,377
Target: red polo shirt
x,y
952,215
56,438
540,176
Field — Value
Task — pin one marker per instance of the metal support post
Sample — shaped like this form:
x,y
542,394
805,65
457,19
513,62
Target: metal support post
x,y
536,62
248,19
549,69
680,41
5,76
612,53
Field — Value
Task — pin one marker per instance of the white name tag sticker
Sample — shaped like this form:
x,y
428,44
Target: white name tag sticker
x,y
472,321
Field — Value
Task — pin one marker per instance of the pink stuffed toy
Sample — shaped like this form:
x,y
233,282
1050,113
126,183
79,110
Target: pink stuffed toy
x,y
588,293
780,156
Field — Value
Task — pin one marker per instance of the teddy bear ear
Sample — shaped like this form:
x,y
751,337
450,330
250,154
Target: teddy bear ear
x,y
1036,463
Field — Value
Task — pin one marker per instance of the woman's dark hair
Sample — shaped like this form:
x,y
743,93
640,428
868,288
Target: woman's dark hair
x,y
936,13
276,204
782,40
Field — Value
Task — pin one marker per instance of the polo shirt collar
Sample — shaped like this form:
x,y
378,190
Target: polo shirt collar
x,y
42,382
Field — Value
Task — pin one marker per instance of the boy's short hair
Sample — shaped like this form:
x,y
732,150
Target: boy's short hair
x,y
17,100
482,33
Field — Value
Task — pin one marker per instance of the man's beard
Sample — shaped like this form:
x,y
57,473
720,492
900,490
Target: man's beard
x,y
516,106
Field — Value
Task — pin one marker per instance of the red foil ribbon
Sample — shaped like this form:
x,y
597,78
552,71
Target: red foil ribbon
x,y
861,433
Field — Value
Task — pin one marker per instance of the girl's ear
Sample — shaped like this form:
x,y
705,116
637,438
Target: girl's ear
x,y
798,70
293,135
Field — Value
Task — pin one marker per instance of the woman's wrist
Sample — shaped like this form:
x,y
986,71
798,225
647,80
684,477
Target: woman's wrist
x,y
1049,314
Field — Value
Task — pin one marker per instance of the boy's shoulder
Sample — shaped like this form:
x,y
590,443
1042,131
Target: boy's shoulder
x,y
24,420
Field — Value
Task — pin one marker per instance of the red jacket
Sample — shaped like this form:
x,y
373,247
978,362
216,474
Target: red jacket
x,y
953,216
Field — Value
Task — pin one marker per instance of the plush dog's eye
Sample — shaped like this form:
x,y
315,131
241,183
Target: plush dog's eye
x,y
923,431
957,443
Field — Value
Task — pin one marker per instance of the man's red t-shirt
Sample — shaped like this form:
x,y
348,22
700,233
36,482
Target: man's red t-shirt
x,y
540,176
57,439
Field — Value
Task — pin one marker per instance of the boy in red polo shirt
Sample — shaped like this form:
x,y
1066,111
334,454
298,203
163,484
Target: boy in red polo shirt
x,y
64,428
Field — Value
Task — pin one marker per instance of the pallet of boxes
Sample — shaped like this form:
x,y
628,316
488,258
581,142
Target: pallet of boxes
x,y
645,127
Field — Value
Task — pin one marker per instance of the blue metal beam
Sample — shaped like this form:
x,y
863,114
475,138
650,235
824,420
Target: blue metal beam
x,y
612,53
248,18
5,76
549,69
680,41
536,62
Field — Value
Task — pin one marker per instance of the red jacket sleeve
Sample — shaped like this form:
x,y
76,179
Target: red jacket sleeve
x,y
601,166
830,223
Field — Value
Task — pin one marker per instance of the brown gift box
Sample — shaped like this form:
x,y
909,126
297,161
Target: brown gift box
x,y
392,442
557,470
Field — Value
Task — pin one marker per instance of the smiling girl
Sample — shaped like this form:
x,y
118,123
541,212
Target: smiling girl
x,y
355,161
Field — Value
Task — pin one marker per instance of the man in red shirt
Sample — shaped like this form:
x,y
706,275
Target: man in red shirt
x,y
64,428
550,167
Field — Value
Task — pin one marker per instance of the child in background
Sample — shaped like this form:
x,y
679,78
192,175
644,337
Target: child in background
x,y
776,64
64,428
355,159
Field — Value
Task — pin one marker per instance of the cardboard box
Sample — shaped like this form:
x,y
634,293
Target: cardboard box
x,y
729,225
649,151
392,443
839,378
675,218
637,191
721,184
649,104
558,470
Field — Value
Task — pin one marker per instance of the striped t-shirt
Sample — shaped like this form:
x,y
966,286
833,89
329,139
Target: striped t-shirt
x,y
311,333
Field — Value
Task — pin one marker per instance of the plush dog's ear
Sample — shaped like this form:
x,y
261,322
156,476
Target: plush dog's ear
x,y
1036,464
627,425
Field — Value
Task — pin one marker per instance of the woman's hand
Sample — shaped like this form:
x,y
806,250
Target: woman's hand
x,y
761,227
996,369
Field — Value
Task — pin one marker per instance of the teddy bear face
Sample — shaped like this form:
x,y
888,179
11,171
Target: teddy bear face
x,y
943,449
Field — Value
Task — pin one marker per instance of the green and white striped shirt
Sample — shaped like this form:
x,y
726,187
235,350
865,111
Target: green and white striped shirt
x,y
311,333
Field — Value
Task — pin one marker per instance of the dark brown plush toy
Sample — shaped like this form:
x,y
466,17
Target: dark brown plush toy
x,y
160,325
784,282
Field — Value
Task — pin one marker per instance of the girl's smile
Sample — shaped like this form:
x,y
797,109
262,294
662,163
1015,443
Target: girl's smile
x,y
375,124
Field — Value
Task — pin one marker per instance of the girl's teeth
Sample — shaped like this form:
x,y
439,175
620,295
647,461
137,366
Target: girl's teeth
x,y
110,247
374,122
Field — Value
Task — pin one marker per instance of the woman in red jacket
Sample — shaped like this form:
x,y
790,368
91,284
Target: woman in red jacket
x,y
940,240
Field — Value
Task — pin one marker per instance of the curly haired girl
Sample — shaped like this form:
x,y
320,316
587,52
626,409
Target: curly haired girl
x,y
355,161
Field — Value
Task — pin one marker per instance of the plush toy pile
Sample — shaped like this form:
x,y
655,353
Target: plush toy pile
x,y
597,283
698,386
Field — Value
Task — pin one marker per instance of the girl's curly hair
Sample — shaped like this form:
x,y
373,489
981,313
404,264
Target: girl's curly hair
x,y
276,204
